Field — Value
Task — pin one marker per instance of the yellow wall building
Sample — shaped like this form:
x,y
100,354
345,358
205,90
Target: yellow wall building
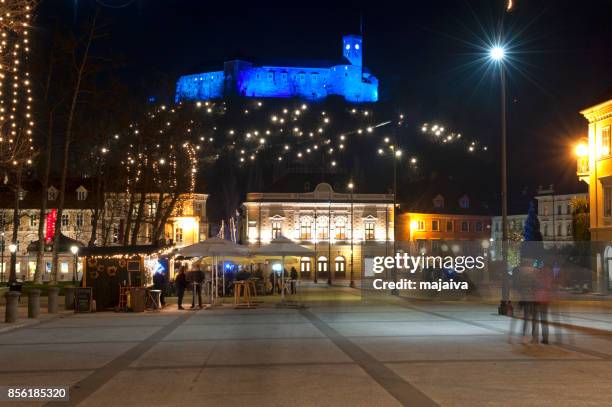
x,y
595,168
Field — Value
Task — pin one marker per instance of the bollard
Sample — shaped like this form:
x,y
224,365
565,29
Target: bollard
x,y
33,303
52,299
69,297
12,306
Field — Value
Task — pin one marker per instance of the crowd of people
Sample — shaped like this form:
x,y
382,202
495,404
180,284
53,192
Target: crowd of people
x,y
194,280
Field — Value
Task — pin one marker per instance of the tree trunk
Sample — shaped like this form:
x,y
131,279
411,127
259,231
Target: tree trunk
x,y
40,253
12,271
99,208
138,220
67,140
128,220
42,215
164,218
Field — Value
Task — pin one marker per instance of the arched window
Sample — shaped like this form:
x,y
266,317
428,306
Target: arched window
x,y
322,264
340,265
306,228
305,266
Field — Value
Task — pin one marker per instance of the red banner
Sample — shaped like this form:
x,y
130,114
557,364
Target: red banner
x,y
50,225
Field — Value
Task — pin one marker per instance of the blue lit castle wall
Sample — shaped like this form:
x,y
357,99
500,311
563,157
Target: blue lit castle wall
x,y
347,79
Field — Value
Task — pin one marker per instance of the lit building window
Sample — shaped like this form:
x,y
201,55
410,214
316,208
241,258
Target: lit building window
x,y
81,194
79,219
252,229
479,226
369,231
322,264
340,232
449,226
322,227
465,227
65,220
420,225
305,265
435,225
340,265
276,229
464,202
607,200
605,141
64,267
33,220
305,229
178,235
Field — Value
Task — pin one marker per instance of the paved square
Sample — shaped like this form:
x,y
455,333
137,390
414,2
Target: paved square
x,y
340,350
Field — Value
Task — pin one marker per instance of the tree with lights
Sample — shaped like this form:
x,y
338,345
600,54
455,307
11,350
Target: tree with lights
x,y
16,121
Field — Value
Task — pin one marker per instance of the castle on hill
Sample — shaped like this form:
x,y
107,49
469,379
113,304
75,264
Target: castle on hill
x,y
348,78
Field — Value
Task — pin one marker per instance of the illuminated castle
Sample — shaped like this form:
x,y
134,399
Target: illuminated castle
x,y
347,79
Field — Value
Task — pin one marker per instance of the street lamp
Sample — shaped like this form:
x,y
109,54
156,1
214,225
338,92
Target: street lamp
x,y
351,187
497,54
12,274
2,256
74,249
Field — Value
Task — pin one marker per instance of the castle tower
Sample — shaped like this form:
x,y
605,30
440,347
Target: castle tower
x,y
352,49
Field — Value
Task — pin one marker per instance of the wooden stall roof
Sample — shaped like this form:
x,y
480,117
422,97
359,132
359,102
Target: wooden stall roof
x,y
121,250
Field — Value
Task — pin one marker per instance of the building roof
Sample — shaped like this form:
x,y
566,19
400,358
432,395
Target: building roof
x,y
444,196
323,192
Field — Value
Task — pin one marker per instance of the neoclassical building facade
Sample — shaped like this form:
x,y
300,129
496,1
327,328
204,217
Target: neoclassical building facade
x,y
343,229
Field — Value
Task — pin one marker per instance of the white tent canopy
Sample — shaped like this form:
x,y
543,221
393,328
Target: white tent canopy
x,y
213,247
282,247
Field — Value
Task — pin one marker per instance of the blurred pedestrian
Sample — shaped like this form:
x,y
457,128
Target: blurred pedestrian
x,y
180,281
159,283
197,279
542,294
294,276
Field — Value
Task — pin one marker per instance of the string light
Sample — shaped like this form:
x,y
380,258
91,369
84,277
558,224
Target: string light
x,y
16,99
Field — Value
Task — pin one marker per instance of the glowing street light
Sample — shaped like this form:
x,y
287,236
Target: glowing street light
x,y
497,53
12,248
582,149
74,249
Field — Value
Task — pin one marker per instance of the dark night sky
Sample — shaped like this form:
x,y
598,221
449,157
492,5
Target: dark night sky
x,y
426,55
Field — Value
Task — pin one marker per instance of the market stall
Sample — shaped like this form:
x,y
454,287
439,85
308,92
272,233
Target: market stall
x,y
119,275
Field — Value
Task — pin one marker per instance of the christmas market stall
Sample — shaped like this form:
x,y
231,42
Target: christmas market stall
x,y
119,275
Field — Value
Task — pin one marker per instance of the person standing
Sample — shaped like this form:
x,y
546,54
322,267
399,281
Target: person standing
x,y
544,286
180,281
197,280
272,278
159,282
294,277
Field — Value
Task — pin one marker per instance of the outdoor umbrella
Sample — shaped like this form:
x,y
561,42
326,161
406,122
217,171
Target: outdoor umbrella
x,y
281,246
214,247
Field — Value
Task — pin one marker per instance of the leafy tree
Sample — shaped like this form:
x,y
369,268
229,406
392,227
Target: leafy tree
x,y
580,219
